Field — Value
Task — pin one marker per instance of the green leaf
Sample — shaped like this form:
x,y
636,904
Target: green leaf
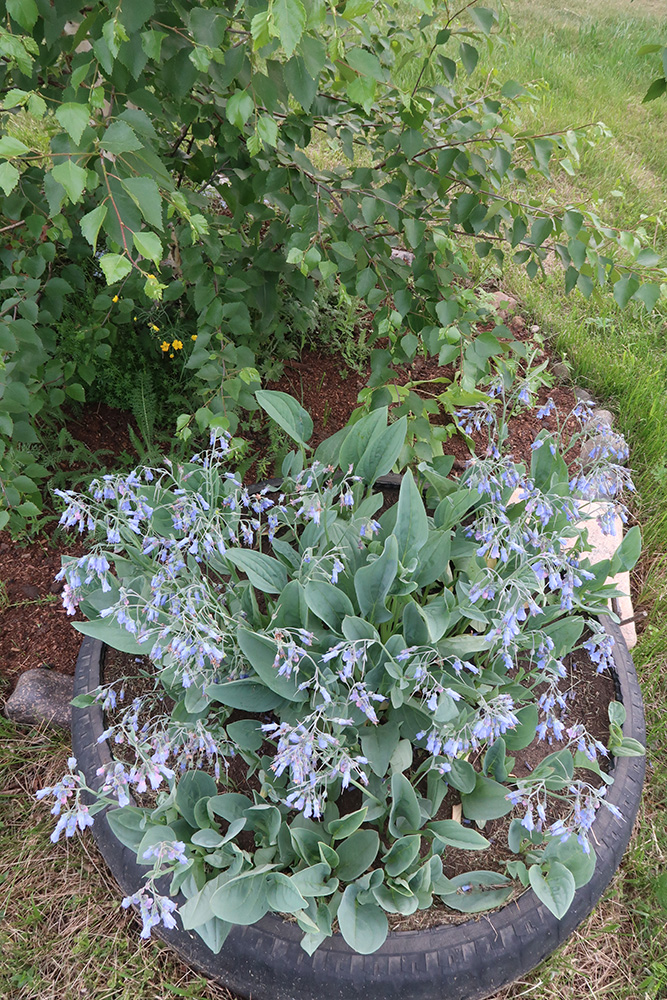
x,y
245,694
455,835
411,527
403,852
287,413
405,815
486,801
264,572
115,267
260,652
299,82
357,854
339,829
569,853
624,289
120,138
626,555
72,177
148,245
10,147
540,231
74,119
193,786
9,177
364,926
112,634
378,745
469,57
267,130
283,895
239,108
24,12
145,193
328,602
477,891
91,222
657,89
365,62
373,581
128,825
242,900
312,881
289,21
556,890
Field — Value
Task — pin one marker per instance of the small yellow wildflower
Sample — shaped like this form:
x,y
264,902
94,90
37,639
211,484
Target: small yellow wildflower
x,y
134,319
165,345
171,355
151,277
193,337
177,345
115,299
154,328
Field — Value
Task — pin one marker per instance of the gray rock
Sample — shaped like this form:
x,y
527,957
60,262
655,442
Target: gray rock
x,y
534,328
608,445
582,395
41,696
561,371
503,303
599,420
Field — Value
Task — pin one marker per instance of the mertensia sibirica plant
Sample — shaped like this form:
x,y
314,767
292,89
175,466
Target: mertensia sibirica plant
x,y
362,664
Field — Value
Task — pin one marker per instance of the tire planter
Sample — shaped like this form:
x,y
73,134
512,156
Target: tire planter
x,y
467,961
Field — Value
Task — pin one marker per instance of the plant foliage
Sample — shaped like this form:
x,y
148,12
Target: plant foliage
x,y
360,664
221,161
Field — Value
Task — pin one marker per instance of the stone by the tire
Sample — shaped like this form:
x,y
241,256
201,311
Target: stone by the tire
x,y
467,961
41,697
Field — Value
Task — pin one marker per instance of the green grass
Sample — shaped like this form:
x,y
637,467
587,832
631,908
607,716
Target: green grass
x,y
583,61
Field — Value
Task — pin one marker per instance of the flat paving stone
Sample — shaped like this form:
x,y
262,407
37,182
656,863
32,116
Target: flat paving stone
x,y
41,697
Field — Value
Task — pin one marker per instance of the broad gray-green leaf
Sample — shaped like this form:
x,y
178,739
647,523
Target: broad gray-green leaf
x,y
357,854
486,801
283,894
247,695
556,889
405,816
260,651
193,786
112,634
378,744
477,891
264,572
242,900
373,582
344,827
401,855
411,526
364,926
315,881
329,603
287,413
455,835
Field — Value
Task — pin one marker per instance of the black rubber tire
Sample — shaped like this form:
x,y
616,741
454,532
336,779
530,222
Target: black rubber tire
x,y
467,961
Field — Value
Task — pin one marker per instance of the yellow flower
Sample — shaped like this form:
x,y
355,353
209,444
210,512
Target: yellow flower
x,y
115,299
154,328
165,345
177,345
134,319
193,337
151,277
171,355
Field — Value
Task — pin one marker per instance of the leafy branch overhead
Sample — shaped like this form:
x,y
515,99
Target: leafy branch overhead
x,y
221,161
